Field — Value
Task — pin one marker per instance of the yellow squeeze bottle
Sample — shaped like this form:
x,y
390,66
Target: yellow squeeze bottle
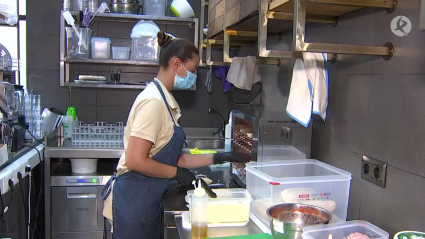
x,y
198,212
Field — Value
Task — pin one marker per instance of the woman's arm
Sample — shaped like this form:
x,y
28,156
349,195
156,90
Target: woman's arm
x,y
137,159
195,161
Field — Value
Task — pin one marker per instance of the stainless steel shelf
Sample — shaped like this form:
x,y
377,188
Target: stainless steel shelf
x,y
105,86
111,61
137,17
74,152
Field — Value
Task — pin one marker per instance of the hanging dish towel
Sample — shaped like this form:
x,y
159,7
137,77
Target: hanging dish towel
x,y
309,88
208,80
243,72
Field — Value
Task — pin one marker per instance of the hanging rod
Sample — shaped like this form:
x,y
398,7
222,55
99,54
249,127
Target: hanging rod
x,y
266,61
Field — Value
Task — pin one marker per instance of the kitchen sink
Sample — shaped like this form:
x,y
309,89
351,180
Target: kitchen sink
x,y
205,143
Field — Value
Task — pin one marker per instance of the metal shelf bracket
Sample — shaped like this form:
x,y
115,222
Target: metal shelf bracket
x,y
299,44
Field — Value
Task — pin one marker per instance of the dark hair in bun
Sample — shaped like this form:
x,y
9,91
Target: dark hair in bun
x,y
175,47
163,39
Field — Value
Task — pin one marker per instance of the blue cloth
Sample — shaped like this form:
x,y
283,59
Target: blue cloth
x,y
136,205
221,72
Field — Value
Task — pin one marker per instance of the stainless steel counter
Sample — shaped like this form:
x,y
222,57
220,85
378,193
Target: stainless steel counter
x,y
249,229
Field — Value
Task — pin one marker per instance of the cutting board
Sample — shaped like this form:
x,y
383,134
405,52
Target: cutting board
x,y
257,236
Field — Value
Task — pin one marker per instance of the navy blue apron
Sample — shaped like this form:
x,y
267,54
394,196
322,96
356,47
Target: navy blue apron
x,y
136,204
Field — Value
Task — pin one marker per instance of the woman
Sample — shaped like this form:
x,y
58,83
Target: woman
x,y
153,142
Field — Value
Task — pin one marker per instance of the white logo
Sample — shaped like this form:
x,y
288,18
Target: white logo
x,y
401,26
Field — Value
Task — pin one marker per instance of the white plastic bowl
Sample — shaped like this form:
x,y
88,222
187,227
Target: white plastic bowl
x,y
84,165
181,8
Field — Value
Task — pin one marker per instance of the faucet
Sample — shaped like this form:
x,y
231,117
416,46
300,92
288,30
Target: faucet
x,y
220,131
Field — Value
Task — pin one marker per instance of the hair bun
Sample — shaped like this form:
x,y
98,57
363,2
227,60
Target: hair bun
x,y
164,39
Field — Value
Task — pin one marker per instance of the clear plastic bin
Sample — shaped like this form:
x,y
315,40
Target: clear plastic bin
x,y
154,7
343,229
230,206
120,53
73,48
100,48
284,152
144,48
305,181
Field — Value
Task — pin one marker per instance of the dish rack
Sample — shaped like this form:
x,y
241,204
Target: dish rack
x,y
99,134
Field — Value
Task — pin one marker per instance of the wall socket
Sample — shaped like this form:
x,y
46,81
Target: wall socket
x,y
374,171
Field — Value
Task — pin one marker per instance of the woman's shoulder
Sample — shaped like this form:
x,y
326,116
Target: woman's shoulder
x,y
149,93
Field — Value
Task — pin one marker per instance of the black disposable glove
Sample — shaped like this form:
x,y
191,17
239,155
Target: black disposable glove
x,y
230,157
184,176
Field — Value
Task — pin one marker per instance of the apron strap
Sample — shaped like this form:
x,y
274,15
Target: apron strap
x,y
165,100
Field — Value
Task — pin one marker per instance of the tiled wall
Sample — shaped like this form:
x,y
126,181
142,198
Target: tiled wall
x,y
376,108
105,105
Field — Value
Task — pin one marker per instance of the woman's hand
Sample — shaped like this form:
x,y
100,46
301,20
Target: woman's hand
x,y
184,176
230,157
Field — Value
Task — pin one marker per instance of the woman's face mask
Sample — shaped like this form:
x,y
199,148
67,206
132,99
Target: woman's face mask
x,y
184,82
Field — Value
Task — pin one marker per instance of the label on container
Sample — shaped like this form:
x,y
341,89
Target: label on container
x,y
278,226
314,197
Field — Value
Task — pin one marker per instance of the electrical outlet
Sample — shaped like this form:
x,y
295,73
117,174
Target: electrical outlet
x,y
374,171
8,175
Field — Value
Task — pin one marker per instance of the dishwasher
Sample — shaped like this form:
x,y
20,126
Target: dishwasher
x,y
76,204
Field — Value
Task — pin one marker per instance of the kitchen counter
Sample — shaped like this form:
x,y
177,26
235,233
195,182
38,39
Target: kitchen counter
x,y
249,229
174,204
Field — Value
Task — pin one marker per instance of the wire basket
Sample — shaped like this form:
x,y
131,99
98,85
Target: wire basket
x,y
99,134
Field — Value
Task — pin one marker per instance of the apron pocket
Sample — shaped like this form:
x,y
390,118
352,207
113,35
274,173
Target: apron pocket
x,y
152,213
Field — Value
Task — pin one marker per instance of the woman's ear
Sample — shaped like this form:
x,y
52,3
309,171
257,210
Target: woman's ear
x,y
175,63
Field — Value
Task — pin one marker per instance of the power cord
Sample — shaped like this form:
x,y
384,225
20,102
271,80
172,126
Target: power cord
x,y
37,207
19,175
26,126
34,136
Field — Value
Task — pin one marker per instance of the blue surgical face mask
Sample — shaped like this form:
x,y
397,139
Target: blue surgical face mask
x,y
184,82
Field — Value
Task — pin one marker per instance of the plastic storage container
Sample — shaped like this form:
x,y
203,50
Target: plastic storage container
x,y
230,206
74,45
120,53
144,43
343,229
100,48
154,7
306,181
284,152
84,165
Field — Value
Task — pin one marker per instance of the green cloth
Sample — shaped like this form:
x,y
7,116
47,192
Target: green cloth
x,y
257,236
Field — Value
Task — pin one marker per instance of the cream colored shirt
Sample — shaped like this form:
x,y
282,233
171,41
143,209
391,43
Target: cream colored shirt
x,y
148,119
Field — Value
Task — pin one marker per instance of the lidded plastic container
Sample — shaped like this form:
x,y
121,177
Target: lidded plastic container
x,y
343,230
154,7
120,53
305,181
280,152
100,48
144,42
75,47
230,206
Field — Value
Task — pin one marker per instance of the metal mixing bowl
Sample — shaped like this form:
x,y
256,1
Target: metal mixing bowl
x,y
128,8
288,220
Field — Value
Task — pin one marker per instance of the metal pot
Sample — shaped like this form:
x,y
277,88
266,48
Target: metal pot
x,y
128,8
288,220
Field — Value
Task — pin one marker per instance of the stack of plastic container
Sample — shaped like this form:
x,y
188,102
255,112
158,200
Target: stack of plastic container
x,y
306,181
